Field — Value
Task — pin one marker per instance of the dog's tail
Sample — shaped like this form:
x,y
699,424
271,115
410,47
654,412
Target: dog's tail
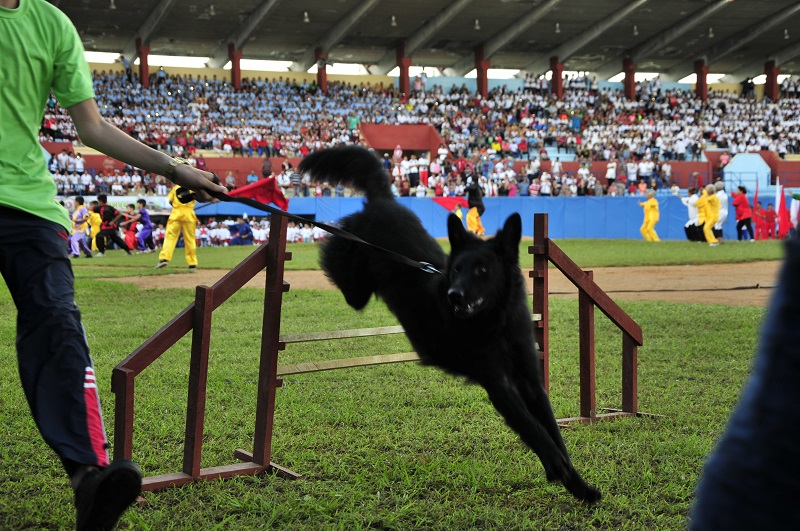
x,y
352,166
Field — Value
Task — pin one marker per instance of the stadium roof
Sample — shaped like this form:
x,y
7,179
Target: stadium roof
x,y
736,37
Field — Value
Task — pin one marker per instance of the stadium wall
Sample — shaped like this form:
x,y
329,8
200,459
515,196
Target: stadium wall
x,y
570,217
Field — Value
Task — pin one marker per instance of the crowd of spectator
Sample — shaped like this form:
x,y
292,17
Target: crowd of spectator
x,y
483,137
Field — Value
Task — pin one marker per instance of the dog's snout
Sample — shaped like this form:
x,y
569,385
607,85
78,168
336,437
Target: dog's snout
x,y
455,296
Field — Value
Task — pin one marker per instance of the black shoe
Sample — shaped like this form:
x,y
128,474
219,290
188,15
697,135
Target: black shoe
x,y
103,495
192,269
161,263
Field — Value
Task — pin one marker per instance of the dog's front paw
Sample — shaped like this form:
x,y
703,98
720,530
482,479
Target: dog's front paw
x,y
589,495
582,490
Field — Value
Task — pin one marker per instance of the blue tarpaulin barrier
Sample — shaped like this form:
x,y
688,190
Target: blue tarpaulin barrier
x,y
569,217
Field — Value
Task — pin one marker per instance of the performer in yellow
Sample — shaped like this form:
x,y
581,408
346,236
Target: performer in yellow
x,y
651,217
181,219
708,210
94,224
475,202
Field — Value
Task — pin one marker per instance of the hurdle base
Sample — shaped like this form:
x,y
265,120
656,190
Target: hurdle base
x,y
164,481
280,471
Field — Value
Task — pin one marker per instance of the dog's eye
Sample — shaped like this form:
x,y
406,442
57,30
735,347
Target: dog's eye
x,y
480,270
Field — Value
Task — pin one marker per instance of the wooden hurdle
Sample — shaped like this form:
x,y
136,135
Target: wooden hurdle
x,y
197,318
545,251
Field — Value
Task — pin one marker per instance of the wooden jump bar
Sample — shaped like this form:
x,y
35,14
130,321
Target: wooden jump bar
x,y
358,332
345,363
341,334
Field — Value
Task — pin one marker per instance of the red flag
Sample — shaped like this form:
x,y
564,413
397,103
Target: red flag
x,y
264,191
755,198
784,224
450,202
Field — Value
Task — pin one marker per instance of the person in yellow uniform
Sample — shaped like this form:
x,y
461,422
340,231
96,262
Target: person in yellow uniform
x,y
708,210
651,217
94,222
181,220
475,202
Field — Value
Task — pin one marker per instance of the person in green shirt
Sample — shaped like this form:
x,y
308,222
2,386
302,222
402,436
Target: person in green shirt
x,y
40,52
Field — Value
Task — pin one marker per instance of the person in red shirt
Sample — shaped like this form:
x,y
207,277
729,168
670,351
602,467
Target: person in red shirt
x,y
130,226
236,144
770,217
744,214
761,223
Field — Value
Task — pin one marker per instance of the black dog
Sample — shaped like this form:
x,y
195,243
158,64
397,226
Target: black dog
x,y
473,321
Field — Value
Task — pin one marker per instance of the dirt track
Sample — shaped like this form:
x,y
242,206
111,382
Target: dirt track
x,y
709,284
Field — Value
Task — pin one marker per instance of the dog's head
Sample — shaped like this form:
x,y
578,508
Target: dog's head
x,y
479,270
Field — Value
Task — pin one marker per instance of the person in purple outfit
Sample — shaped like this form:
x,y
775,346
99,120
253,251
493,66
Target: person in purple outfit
x,y
77,240
145,236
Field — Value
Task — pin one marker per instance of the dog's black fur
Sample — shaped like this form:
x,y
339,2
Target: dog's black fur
x,y
473,321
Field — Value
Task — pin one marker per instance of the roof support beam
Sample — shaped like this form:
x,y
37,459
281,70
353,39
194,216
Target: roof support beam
x,y
220,56
423,35
660,40
154,20
334,36
732,43
499,40
569,48
756,68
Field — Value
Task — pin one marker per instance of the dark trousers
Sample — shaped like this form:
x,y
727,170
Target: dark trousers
x,y
114,235
742,224
752,479
52,353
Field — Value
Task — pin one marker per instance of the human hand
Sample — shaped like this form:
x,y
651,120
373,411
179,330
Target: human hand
x,y
199,181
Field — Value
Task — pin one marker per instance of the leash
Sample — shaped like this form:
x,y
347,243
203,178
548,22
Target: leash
x,y
185,195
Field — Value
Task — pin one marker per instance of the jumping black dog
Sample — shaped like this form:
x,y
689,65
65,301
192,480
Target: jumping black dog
x,y
473,320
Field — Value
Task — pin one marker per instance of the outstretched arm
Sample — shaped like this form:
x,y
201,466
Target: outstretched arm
x,y
95,132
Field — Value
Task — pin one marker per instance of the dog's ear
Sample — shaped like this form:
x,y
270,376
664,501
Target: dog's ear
x,y
510,235
456,232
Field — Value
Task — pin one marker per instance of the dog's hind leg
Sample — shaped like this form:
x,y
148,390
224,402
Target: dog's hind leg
x,y
509,402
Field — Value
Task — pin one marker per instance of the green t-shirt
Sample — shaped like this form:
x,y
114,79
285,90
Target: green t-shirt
x,y
40,51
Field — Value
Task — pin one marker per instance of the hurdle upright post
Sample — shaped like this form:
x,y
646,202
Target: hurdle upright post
x,y
540,293
198,381
586,349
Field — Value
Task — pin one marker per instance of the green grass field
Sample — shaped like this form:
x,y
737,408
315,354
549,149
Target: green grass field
x,y
400,446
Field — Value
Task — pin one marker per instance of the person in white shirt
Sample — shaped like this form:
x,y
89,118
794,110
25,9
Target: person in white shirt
x,y
555,168
723,208
611,171
546,187
666,172
693,232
